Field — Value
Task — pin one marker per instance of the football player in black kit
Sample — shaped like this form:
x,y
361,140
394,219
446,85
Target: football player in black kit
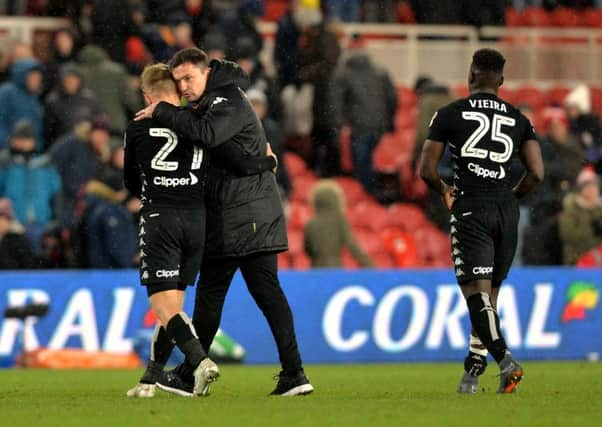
x,y
484,134
168,175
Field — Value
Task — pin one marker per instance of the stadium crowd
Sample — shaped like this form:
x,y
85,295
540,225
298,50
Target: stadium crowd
x,y
62,117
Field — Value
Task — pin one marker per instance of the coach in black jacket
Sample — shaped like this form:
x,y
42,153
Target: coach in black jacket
x,y
245,221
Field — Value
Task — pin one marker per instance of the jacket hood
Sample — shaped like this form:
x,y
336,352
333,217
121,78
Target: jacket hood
x,y
21,68
360,61
327,198
93,55
224,73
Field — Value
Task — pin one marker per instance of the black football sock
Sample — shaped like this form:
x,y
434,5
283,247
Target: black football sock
x,y
180,329
486,323
476,361
161,348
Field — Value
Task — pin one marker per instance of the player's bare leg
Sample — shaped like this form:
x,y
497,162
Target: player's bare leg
x,y
485,321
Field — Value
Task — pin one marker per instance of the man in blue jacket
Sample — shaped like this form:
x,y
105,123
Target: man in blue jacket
x,y
19,100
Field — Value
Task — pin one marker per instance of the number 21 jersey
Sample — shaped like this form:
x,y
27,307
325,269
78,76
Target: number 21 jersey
x,y
161,168
484,134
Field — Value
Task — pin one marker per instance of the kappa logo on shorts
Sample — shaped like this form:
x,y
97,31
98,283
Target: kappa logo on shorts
x,y
167,274
482,270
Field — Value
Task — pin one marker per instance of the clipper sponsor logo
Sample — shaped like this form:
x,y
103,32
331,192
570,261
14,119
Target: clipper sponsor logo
x,y
482,270
486,173
167,274
164,181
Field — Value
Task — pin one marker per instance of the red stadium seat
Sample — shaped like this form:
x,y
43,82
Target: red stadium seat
x,y
354,191
274,10
370,242
591,18
408,217
405,118
596,96
433,245
295,165
513,18
556,95
531,96
382,260
349,262
284,261
564,17
535,17
298,215
301,262
386,155
295,242
507,95
401,246
345,147
369,216
302,187
406,97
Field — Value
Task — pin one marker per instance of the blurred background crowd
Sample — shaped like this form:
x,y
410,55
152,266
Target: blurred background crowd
x,y
336,118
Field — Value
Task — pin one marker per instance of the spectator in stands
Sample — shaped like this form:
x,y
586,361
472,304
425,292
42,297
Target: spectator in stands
x,y
62,51
366,100
431,97
88,148
214,44
563,157
109,81
378,10
329,231
68,104
19,100
237,22
111,26
318,60
30,180
584,125
165,40
15,7
287,47
15,251
580,223
247,57
541,243
275,136
344,10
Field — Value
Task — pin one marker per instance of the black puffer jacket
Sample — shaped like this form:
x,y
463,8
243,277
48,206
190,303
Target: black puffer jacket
x,y
244,213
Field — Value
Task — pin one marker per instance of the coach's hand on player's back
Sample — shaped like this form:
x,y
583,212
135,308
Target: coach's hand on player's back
x,y
269,152
146,113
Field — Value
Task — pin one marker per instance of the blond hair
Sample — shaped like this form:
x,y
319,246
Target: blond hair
x,y
157,78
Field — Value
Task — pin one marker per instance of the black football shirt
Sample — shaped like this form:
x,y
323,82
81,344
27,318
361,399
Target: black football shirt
x,y
484,134
161,168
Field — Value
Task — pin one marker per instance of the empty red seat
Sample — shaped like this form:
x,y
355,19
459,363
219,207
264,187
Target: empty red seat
x,y
302,187
349,262
406,97
531,96
591,18
295,165
460,91
354,191
556,95
295,241
405,118
433,245
301,262
596,97
507,94
370,241
368,215
535,17
386,155
382,260
406,216
299,214
401,246
564,17
284,261
513,18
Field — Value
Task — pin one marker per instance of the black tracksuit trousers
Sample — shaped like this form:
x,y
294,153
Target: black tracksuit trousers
x,y
260,272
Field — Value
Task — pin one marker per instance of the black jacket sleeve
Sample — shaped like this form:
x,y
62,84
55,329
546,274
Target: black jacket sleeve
x,y
219,124
242,164
131,174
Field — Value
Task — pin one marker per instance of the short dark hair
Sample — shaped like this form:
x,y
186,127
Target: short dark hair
x,y
488,60
192,55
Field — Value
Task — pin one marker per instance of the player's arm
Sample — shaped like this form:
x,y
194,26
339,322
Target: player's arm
x,y
131,173
242,164
219,124
530,155
432,152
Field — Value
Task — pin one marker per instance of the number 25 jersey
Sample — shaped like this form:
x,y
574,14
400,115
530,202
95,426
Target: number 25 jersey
x,y
161,168
484,134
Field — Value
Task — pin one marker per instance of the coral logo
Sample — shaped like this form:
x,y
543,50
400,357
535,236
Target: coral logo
x,y
581,296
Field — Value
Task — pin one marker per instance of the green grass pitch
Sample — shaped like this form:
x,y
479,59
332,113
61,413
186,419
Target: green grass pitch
x,y
552,394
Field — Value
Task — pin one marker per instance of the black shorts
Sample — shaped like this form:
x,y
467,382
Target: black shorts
x,y
171,243
483,238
